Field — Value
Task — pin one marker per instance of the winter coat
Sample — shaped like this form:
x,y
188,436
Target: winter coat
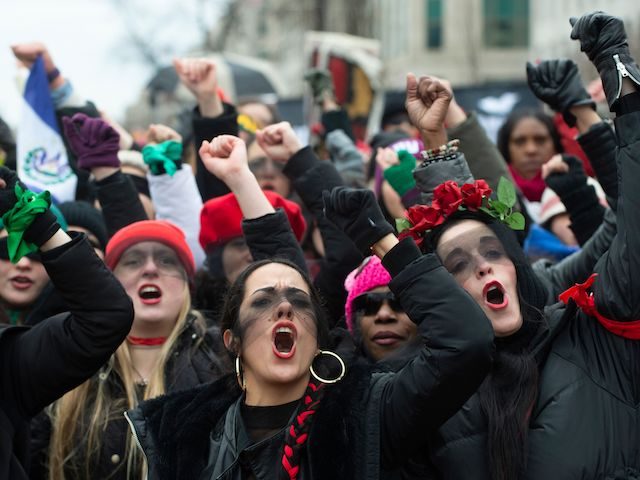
x,y
484,159
578,266
206,128
585,423
40,364
367,424
119,202
195,360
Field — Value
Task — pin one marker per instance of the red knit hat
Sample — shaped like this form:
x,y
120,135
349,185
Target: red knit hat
x,y
221,218
150,231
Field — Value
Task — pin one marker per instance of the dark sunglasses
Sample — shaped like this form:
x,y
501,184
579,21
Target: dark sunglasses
x,y
370,303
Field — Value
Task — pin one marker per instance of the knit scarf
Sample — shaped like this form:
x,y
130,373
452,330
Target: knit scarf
x,y
532,189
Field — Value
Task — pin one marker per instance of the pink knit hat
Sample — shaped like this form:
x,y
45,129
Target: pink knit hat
x,y
369,275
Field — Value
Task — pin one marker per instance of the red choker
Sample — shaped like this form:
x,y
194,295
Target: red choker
x,y
147,342
579,293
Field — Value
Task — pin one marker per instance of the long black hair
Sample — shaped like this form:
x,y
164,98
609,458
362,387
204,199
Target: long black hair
x,y
509,391
297,433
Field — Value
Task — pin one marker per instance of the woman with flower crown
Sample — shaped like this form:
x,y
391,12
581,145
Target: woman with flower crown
x,y
562,399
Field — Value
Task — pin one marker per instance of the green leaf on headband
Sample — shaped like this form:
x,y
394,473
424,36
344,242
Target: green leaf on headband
x,y
499,207
402,224
506,192
515,221
489,212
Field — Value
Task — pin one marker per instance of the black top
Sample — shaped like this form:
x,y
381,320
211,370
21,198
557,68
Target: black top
x,y
264,422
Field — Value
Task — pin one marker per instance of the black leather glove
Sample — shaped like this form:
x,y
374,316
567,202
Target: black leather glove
x,y
604,40
356,212
564,183
558,84
7,194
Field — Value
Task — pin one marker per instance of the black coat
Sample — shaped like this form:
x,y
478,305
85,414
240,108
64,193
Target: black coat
x,y
119,201
370,422
40,364
195,360
586,420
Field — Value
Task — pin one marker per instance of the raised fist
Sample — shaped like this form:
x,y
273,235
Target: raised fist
x,y
279,141
225,157
200,77
159,133
558,84
603,38
357,213
93,141
427,102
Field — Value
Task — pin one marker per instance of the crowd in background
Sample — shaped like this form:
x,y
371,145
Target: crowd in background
x,y
429,305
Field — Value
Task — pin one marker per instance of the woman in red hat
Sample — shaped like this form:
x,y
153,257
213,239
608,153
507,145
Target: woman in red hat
x,y
167,349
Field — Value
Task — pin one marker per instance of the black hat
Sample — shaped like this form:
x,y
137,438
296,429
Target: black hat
x,y
84,215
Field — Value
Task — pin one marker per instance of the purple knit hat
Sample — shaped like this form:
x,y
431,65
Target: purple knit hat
x,y
369,275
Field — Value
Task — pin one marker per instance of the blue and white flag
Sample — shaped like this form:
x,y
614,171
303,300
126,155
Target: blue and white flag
x,y
41,157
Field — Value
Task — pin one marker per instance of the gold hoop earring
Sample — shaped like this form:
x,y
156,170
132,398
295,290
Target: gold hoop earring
x,y
239,375
343,367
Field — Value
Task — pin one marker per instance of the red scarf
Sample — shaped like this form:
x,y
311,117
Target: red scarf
x,y
585,301
532,189
147,342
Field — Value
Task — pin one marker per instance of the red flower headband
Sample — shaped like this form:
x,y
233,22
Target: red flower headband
x,y
449,198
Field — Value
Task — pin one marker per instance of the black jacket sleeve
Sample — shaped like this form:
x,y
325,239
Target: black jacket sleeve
x,y
585,211
458,343
42,363
484,159
599,144
310,177
270,236
206,128
119,201
577,267
616,292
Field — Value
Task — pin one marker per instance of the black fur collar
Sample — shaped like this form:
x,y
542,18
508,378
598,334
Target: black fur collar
x,y
177,427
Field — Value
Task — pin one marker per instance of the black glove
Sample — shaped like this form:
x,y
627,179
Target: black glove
x,y
602,37
7,194
356,212
564,183
43,226
557,83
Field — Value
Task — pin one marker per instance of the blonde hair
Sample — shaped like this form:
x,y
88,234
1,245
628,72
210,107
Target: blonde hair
x,y
80,418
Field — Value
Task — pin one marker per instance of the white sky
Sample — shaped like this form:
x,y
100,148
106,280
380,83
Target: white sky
x,y
88,42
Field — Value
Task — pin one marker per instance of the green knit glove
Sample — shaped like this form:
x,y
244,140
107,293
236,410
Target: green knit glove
x,y
400,176
164,157
19,219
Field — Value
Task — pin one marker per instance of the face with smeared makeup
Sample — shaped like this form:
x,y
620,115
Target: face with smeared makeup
x,y
277,338
476,258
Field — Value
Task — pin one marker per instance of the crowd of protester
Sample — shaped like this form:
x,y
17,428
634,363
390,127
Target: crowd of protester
x,y
243,306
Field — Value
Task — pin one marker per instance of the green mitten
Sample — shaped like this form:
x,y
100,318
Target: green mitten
x,y
400,176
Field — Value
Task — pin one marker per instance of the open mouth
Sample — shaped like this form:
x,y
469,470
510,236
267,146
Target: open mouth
x,y
494,295
150,294
284,339
21,283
